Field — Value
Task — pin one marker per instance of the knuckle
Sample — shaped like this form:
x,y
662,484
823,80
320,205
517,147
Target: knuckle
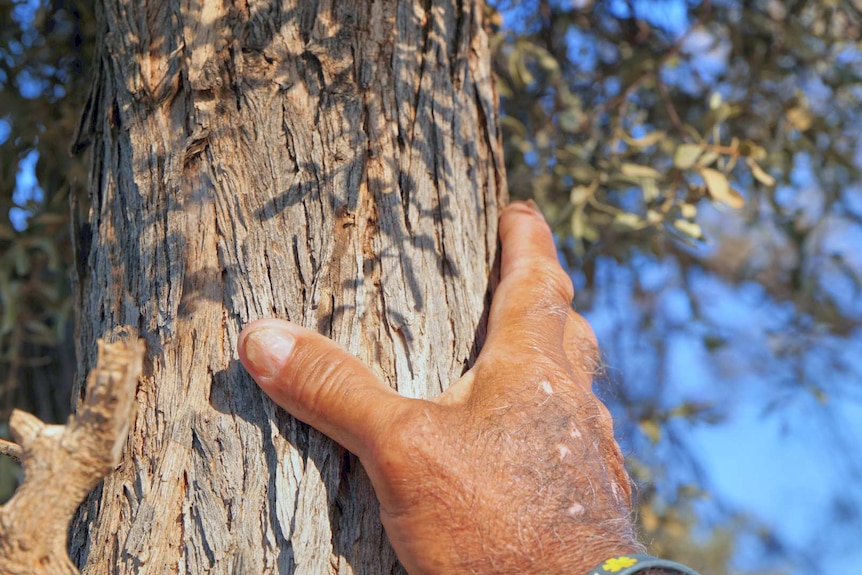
x,y
582,330
545,279
321,378
411,438
596,415
581,345
553,280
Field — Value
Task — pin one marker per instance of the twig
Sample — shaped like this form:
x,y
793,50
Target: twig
x,y
668,105
622,98
11,449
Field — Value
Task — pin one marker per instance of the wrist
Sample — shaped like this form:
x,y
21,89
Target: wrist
x,y
553,552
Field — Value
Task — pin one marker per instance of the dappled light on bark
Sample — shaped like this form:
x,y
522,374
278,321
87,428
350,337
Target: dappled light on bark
x,y
335,164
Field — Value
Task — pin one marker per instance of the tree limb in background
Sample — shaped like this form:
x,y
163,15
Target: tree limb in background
x,y
63,463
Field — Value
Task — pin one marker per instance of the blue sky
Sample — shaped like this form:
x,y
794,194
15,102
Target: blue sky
x,y
26,188
783,466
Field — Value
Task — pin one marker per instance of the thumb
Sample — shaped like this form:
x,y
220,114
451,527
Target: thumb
x,y
317,381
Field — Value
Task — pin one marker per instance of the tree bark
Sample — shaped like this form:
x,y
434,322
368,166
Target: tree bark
x,y
334,163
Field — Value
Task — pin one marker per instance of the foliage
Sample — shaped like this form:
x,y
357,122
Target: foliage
x,y
44,52
621,118
686,152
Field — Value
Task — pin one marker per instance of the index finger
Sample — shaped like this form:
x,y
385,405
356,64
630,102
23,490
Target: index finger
x,y
532,301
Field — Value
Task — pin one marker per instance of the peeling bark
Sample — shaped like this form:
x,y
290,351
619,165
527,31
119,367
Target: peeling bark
x,y
333,163
62,463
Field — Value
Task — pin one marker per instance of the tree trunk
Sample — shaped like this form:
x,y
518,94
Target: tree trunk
x,y
333,163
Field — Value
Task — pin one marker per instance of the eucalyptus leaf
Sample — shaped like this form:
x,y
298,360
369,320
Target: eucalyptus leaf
x,y
639,171
651,429
628,221
688,228
760,174
800,118
686,155
708,159
719,188
545,59
580,194
646,141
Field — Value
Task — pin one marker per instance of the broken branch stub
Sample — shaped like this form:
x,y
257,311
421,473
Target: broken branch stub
x,y
63,463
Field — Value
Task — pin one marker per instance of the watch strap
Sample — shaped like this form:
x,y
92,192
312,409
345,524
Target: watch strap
x,y
632,564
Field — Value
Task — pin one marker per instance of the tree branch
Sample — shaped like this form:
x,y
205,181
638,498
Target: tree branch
x,y
63,463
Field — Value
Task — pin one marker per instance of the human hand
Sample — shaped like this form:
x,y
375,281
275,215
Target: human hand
x,y
514,468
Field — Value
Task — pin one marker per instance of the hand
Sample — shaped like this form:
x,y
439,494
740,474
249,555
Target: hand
x,y
514,469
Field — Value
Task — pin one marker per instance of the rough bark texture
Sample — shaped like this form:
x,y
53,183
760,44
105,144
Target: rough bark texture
x,y
63,463
333,163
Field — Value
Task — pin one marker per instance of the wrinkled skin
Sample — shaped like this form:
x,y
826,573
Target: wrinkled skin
x,y
514,469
